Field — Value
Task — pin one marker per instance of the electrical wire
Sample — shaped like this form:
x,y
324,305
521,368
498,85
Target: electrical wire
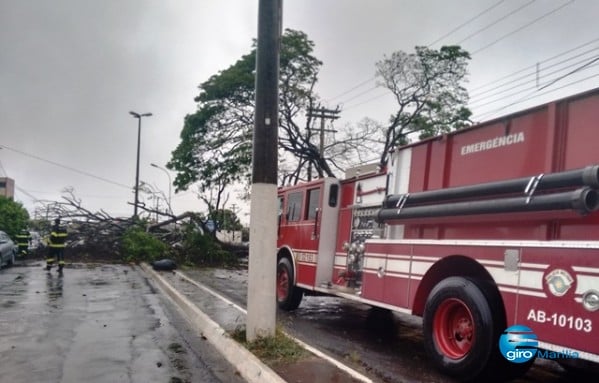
x,y
480,94
27,194
513,12
546,14
478,15
466,23
361,94
532,95
366,101
66,167
533,66
477,103
351,89
522,27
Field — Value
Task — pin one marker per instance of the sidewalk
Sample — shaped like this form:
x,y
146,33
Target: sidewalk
x,y
215,317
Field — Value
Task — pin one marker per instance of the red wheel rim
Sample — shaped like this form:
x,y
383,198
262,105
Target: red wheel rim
x,y
282,284
453,328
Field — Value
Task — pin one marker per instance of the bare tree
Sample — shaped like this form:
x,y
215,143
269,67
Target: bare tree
x,y
427,86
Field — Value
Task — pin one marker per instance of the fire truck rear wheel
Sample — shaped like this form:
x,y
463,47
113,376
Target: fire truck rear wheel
x,y
289,296
460,329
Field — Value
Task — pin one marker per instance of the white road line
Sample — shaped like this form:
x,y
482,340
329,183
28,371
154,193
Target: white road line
x,y
210,291
355,374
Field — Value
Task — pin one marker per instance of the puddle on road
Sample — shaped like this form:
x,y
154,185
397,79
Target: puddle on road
x,y
8,304
54,284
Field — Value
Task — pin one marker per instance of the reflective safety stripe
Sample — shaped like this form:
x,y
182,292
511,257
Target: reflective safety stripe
x,y
61,262
58,245
50,260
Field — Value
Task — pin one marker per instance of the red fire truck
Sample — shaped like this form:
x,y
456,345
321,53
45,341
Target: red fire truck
x,y
475,231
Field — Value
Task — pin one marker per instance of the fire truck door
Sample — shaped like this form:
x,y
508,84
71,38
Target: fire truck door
x,y
326,229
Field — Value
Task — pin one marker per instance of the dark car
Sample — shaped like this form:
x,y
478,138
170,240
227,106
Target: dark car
x,y
8,250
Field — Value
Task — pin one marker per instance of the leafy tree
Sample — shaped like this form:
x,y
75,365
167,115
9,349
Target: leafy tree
x,y
198,248
427,87
13,216
216,141
228,220
139,245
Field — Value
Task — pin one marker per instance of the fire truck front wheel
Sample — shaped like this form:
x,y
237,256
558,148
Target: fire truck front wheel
x,y
460,331
289,296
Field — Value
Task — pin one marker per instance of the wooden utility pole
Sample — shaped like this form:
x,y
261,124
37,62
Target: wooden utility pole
x,y
261,316
323,114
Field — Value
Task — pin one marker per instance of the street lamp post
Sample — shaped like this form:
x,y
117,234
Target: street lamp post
x,y
138,116
169,185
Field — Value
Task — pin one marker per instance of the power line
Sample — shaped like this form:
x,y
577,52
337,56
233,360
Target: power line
x,y
366,101
533,88
546,14
533,66
535,94
361,94
522,27
571,72
480,94
466,22
477,103
27,194
351,89
440,38
66,167
359,85
496,22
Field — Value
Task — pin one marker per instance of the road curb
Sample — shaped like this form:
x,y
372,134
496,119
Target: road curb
x,y
249,366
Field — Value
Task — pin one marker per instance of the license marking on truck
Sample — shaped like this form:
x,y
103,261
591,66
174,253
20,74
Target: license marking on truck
x,y
561,320
305,257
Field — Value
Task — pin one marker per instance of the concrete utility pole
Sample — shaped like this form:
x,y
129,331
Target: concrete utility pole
x,y
138,116
261,317
323,114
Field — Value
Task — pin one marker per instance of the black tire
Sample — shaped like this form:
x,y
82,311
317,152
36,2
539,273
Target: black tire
x,y
462,329
289,296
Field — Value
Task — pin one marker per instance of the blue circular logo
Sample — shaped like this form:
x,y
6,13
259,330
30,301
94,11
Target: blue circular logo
x,y
518,344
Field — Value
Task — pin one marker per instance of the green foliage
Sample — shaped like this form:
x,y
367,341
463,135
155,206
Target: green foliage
x,y
216,140
226,219
13,216
427,86
272,350
140,246
202,249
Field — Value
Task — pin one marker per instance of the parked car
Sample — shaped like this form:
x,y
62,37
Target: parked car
x,y
8,250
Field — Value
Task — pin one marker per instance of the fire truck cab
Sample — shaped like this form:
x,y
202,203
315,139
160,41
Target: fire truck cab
x,y
476,231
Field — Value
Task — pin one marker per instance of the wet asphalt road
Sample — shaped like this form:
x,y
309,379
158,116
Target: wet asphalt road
x,y
96,324
387,347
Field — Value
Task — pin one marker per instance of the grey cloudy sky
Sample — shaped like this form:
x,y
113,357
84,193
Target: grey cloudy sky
x,y
71,70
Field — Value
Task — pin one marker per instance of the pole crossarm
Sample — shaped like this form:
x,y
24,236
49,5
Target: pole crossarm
x,y
324,114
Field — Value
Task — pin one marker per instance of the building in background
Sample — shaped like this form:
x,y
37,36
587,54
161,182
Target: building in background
x,y
7,187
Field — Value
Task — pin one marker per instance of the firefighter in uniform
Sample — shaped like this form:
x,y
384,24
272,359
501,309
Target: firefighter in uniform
x,y
58,237
23,241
